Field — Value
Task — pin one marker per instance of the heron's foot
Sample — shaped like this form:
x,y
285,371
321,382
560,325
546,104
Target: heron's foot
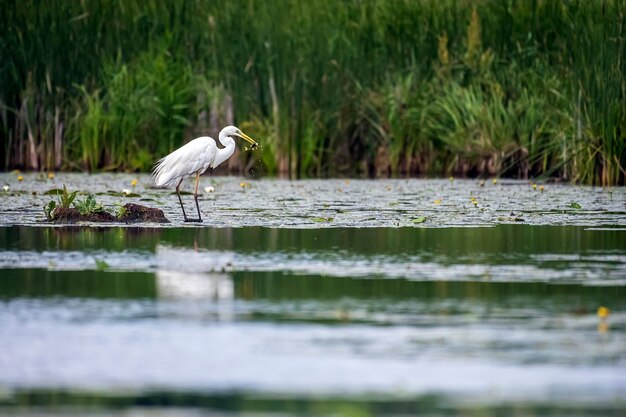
x,y
193,220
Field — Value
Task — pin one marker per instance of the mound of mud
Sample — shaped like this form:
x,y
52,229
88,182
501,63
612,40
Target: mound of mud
x,y
131,213
136,213
72,215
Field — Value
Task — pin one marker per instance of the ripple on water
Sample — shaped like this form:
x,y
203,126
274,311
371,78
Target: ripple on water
x,y
471,316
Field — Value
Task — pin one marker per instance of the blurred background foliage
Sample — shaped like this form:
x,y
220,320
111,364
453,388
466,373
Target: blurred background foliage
x,y
354,87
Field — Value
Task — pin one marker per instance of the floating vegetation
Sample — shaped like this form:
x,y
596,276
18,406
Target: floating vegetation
x,y
322,219
124,193
293,203
53,191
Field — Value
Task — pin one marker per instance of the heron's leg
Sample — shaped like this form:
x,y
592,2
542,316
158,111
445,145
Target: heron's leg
x,y
180,199
195,196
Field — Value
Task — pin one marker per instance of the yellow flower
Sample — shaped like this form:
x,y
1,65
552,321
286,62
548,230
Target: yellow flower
x,y
20,178
534,186
541,188
451,179
133,182
494,181
50,175
437,201
603,312
243,184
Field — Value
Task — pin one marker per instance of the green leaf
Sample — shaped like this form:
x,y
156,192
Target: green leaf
x,y
54,191
89,205
575,205
419,220
71,197
101,265
49,208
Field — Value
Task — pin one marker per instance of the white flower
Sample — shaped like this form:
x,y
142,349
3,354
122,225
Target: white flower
x,y
209,189
5,188
126,191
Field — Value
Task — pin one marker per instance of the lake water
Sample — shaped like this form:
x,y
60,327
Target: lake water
x,y
445,318
468,312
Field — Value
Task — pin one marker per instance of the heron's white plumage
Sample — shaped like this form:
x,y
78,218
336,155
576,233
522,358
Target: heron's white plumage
x,y
193,158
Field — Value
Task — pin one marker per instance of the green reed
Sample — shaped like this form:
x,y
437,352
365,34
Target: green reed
x,y
519,88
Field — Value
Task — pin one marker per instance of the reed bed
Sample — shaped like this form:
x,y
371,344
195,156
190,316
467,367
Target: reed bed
x,y
368,87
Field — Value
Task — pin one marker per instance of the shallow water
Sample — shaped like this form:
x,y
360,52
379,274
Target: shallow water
x,y
298,321
332,203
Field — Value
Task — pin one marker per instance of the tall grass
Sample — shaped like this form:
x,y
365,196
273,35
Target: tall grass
x,y
519,88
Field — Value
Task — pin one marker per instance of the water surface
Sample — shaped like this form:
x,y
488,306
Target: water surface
x,y
239,202
331,321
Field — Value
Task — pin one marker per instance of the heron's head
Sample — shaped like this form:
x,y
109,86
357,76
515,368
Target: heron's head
x,y
235,131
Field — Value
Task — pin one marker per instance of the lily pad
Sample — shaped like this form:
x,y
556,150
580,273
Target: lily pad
x,y
53,191
322,219
121,194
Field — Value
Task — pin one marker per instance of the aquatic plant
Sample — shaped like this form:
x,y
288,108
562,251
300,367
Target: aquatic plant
x,y
121,211
48,209
522,89
89,205
65,200
65,197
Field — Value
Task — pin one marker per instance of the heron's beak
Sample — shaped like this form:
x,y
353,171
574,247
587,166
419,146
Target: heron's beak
x,y
249,139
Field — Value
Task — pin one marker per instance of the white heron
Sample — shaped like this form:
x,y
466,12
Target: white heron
x,y
194,158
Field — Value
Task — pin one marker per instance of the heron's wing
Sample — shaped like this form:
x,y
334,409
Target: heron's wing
x,y
194,157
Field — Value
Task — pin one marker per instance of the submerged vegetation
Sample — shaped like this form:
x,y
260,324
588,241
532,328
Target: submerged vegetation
x,y
516,88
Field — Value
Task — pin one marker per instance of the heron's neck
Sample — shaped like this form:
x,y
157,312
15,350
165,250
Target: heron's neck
x,y
225,152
